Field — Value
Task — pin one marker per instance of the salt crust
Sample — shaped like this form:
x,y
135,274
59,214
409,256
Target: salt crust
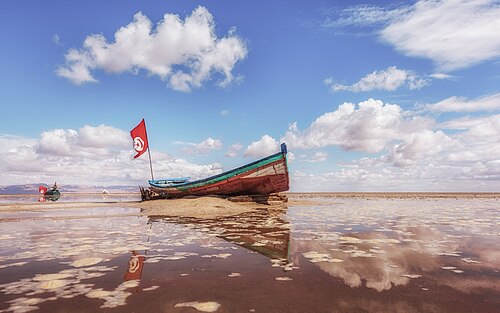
x,y
86,262
200,306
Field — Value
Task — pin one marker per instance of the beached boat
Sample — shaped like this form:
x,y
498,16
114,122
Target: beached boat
x,y
47,193
52,193
264,176
168,182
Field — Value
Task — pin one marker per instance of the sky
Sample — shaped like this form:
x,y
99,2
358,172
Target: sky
x,y
367,95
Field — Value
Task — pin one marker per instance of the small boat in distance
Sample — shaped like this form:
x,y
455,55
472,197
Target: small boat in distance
x,y
52,194
262,177
167,182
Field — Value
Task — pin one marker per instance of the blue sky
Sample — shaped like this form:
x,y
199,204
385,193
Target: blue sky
x,y
369,96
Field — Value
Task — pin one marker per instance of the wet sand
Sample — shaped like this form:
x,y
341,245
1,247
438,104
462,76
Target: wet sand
x,y
328,254
214,207
395,195
201,207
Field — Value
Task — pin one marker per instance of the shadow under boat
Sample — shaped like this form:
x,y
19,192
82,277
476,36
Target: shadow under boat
x,y
263,231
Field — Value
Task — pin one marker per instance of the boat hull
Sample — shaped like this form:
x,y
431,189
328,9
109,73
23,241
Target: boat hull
x,y
265,176
52,192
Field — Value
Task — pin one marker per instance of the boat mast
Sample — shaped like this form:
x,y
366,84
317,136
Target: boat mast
x,y
150,164
149,152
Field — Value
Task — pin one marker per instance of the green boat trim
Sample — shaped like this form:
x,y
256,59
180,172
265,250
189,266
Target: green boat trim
x,y
226,175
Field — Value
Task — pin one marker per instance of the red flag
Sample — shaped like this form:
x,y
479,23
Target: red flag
x,y
140,138
42,189
135,266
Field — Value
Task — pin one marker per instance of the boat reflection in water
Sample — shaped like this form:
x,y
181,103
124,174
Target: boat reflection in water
x,y
54,197
263,231
46,198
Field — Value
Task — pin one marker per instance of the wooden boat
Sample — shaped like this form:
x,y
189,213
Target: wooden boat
x,y
52,194
168,182
264,176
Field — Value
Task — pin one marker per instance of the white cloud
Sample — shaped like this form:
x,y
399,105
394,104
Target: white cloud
x,y
454,34
58,141
204,147
422,160
208,145
181,81
390,79
17,154
184,52
477,143
488,128
89,141
477,130
77,68
58,155
103,136
417,146
368,127
442,76
435,173
412,152
267,145
233,150
363,15
464,123
10,142
319,156
56,39
224,113
459,104
168,166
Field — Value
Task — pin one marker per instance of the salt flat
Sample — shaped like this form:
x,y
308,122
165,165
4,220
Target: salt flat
x,y
315,254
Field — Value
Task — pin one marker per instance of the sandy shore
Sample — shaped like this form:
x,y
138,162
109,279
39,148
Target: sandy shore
x,y
202,207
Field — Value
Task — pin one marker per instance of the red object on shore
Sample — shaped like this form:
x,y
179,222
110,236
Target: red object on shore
x,y
42,189
140,138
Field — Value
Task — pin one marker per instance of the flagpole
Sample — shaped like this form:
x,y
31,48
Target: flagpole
x,y
150,164
149,152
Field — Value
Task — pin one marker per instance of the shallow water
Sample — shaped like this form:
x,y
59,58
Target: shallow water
x,y
67,213
349,256
72,197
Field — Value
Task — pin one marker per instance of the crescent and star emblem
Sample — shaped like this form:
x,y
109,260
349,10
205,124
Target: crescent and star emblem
x,y
133,265
138,144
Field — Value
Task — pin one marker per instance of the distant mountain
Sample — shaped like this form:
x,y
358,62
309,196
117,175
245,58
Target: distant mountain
x,y
33,189
19,189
